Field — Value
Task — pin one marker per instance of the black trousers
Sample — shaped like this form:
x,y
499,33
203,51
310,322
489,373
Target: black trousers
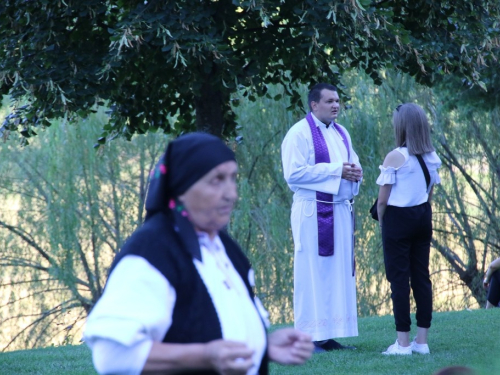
x,y
406,236
494,289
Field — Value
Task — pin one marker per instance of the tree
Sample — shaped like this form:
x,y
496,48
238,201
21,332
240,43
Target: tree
x,y
66,211
152,59
467,231
260,222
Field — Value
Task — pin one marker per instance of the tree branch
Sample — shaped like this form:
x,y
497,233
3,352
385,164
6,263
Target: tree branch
x,y
30,241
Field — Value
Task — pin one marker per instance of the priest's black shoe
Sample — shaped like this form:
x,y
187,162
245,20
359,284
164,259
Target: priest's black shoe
x,y
331,344
318,349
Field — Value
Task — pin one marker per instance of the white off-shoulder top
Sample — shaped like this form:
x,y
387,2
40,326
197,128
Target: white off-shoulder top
x,y
408,180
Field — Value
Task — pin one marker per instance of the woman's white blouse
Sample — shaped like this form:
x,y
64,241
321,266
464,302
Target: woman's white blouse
x,y
138,301
408,180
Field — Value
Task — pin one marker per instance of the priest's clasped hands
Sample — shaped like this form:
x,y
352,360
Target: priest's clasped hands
x,y
352,172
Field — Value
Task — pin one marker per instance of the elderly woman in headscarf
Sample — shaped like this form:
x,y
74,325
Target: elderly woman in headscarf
x,y
179,297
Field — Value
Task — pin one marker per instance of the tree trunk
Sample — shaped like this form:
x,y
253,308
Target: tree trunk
x,y
210,104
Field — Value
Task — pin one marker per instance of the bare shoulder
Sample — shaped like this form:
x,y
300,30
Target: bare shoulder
x,y
495,265
394,159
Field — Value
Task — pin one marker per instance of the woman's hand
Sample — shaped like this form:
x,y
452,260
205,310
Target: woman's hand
x,y
495,265
288,346
383,198
229,357
223,356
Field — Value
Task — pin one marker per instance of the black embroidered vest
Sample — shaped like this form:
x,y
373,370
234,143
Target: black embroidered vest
x,y
194,316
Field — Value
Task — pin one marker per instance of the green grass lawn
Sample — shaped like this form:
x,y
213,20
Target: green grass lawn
x,y
470,338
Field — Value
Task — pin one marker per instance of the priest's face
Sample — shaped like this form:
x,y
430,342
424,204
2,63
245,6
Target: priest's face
x,y
327,109
209,202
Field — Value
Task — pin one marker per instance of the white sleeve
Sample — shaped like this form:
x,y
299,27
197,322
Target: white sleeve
x,y
435,164
298,172
354,159
134,310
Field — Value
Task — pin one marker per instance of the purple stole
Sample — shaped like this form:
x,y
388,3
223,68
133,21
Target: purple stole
x,y
324,201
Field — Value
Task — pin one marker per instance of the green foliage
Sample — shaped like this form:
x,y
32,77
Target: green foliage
x,y
261,221
468,224
67,210
456,338
155,60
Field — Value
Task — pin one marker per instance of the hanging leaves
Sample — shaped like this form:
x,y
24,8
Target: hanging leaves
x,y
148,60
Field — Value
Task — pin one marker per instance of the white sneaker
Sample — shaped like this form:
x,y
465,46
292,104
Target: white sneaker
x,y
398,349
419,348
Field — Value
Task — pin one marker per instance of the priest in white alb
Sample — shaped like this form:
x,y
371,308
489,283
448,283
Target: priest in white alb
x,y
323,171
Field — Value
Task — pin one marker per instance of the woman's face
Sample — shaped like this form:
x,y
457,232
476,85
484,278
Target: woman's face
x,y
209,202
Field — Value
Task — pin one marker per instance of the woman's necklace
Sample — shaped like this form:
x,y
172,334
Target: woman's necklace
x,y
221,261
223,266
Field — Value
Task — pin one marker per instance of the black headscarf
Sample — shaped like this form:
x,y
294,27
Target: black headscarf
x,y
186,160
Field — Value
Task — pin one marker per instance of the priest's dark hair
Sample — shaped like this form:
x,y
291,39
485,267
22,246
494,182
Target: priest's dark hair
x,y
315,92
